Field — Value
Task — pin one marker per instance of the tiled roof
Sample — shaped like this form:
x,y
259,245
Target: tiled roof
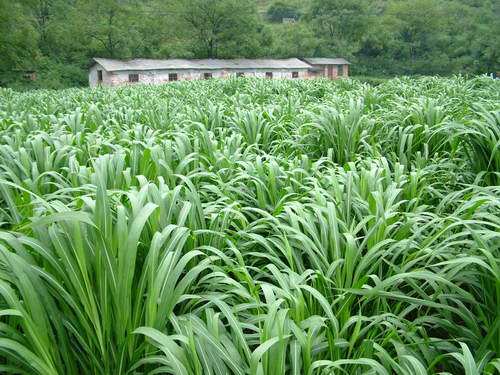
x,y
326,61
208,64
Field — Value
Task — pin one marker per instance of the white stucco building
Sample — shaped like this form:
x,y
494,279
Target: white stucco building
x,y
110,72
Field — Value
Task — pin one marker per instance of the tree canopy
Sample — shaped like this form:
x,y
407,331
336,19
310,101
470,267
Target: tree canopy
x,y
280,10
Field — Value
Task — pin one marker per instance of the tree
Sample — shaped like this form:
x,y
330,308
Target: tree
x,y
340,24
476,36
219,27
109,26
290,40
419,25
18,40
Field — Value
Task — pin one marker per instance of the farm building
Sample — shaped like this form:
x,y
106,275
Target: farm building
x,y
109,72
328,67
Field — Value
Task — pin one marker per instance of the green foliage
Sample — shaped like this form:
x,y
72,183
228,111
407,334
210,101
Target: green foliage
x,y
431,37
18,44
280,9
373,81
482,138
341,24
382,38
219,28
343,135
251,226
289,40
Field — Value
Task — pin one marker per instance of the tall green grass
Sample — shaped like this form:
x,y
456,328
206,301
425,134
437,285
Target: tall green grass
x,y
251,227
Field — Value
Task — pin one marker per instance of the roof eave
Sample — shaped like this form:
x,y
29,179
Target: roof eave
x,y
205,68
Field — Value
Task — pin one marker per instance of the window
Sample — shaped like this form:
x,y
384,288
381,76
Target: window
x,y
173,77
240,74
207,75
269,74
295,74
133,77
99,76
340,70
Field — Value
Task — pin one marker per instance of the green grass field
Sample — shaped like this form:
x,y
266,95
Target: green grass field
x,y
251,226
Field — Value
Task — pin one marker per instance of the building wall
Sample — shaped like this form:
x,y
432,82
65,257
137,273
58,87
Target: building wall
x,y
330,71
161,76
106,77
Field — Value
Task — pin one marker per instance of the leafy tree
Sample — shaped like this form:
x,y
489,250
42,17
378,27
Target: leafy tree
x,y
483,38
219,27
431,37
158,27
340,24
419,26
109,26
291,40
18,41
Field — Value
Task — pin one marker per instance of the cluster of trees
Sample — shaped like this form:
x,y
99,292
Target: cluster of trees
x,y
280,10
57,38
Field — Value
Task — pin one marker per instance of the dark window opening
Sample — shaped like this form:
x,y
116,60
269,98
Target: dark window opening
x,y
240,74
133,77
207,75
295,74
340,70
173,77
269,74
99,76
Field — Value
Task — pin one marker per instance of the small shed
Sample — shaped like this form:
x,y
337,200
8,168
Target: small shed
x,y
27,74
331,68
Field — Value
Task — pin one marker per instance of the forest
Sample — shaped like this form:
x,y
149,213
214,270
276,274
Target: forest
x,y
55,39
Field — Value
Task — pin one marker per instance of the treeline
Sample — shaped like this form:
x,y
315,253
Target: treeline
x,y
57,38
